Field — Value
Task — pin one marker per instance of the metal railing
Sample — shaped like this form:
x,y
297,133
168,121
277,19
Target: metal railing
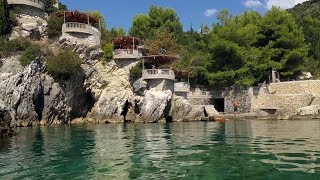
x,y
35,3
80,28
181,87
158,74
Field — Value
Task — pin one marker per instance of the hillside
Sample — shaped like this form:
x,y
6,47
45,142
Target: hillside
x,y
311,8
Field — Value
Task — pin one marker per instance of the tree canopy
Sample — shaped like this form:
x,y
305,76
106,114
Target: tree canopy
x,y
4,17
241,50
145,26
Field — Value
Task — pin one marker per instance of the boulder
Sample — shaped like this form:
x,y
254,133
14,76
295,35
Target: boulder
x,y
156,105
181,109
309,110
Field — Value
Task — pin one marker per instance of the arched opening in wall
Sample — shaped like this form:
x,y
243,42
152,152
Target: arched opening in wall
x,y
219,104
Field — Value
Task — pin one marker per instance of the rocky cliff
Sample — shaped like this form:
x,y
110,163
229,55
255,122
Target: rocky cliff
x,y
98,93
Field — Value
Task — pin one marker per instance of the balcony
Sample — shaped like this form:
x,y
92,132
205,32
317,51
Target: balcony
x,y
126,54
34,3
181,87
75,27
158,74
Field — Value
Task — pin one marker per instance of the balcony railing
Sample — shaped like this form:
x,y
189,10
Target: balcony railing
x,y
181,87
158,74
126,54
76,27
34,3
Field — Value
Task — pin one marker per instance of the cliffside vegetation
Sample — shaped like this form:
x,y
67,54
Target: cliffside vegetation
x,y
237,50
31,53
308,8
63,65
55,26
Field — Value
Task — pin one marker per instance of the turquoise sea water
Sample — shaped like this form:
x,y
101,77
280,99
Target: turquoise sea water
x,y
201,150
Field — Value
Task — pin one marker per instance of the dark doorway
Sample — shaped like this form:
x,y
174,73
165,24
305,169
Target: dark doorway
x,y
219,104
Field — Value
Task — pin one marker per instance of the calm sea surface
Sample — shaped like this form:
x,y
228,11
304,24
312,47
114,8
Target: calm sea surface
x,y
202,150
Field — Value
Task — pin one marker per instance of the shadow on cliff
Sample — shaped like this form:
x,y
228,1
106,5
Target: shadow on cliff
x,y
78,98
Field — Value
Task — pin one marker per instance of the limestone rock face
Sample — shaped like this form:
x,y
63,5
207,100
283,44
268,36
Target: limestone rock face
x,y
19,89
35,97
32,23
182,108
196,113
87,46
6,120
111,90
155,105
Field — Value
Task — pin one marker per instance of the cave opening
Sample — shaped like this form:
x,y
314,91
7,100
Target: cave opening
x,y
38,102
125,110
167,111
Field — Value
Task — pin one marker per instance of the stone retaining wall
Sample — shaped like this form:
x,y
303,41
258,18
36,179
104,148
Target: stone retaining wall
x,y
296,87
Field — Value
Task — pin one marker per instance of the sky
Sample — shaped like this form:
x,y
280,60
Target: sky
x,y
120,13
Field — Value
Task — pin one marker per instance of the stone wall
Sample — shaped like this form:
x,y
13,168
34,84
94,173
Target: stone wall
x,y
242,96
296,87
287,97
282,103
200,101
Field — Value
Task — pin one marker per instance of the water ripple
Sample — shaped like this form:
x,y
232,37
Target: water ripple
x,y
232,150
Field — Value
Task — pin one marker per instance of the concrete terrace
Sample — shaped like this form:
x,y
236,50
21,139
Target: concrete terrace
x,y
75,27
34,3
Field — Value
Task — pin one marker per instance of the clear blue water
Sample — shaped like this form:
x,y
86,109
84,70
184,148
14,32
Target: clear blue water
x,y
201,150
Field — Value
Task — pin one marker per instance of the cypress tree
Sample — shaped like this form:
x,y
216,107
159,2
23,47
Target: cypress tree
x,y
4,17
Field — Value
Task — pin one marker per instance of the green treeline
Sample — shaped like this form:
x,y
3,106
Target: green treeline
x,y
238,50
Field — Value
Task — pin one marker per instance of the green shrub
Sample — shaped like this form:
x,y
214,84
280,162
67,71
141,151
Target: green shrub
x,y
31,53
8,48
136,72
64,65
13,19
55,26
108,52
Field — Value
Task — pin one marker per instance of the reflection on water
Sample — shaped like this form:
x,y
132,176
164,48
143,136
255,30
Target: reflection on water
x,y
232,150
